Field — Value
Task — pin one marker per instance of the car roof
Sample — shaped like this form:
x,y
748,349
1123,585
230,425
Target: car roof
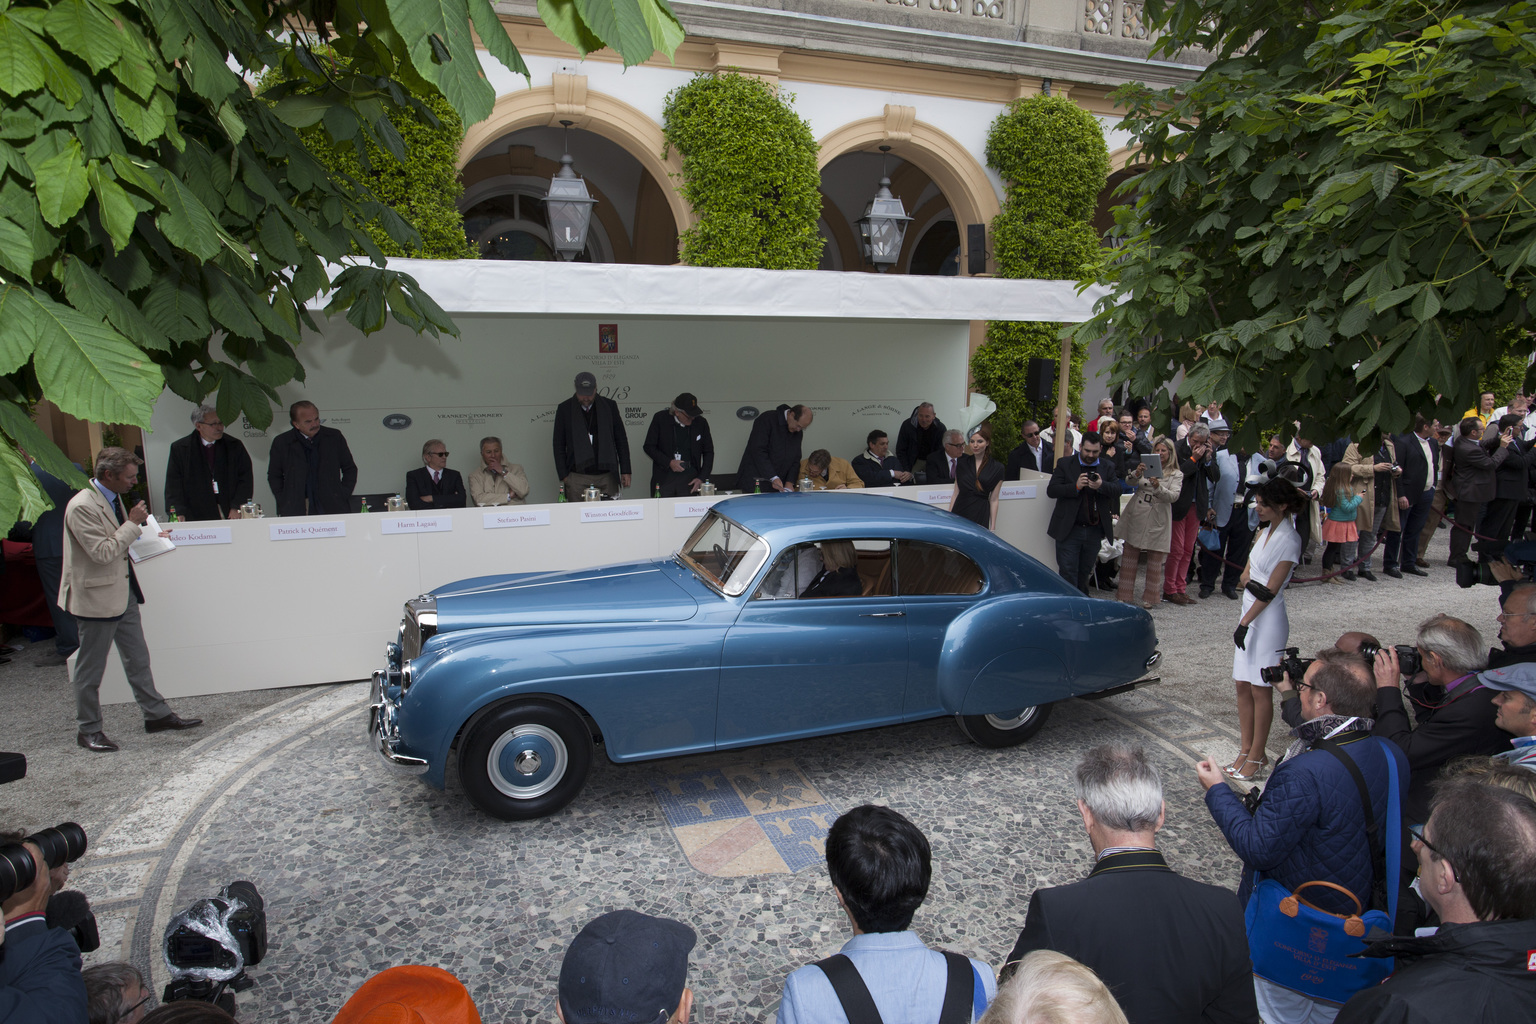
x,y
768,513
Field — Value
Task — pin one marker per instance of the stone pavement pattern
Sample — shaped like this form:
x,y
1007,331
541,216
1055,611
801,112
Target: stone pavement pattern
x,y
362,870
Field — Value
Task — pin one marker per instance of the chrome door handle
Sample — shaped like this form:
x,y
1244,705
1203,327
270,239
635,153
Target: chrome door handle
x,y
883,615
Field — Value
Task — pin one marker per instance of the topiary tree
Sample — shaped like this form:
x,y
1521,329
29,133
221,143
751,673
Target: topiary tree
x,y
423,189
1054,165
749,172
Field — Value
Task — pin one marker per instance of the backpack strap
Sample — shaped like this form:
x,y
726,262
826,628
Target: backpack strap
x,y
958,991
1378,868
858,1004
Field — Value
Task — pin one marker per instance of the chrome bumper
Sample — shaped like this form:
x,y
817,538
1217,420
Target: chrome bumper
x,y
384,733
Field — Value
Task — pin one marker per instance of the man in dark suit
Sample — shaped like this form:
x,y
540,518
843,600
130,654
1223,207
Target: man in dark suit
x,y
1172,950
48,549
942,464
209,472
772,455
876,466
434,485
920,436
310,467
680,448
39,966
1032,454
1418,453
1087,494
591,447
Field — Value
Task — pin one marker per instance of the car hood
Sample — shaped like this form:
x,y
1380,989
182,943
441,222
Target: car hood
x,y
630,592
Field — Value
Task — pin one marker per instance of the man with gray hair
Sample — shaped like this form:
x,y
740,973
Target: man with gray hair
x,y
115,993
1455,712
102,593
209,473
1170,949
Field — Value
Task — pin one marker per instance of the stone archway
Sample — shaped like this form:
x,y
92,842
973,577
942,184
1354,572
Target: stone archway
x,y
568,99
952,169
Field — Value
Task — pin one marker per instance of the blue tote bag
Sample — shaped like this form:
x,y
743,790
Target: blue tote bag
x,y
1297,946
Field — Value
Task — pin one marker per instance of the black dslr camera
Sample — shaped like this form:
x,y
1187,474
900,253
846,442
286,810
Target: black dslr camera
x,y
1407,656
1290,665
64,843
209,945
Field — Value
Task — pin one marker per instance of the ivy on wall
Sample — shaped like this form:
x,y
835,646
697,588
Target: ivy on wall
x,y
1054,164
423,189
749,172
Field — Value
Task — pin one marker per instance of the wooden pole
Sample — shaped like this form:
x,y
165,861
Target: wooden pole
x,y
1062,375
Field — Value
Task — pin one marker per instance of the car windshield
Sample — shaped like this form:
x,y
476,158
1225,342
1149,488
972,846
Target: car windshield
x,y
727,555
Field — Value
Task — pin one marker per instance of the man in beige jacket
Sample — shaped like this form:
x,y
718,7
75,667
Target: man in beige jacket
x,y
100,590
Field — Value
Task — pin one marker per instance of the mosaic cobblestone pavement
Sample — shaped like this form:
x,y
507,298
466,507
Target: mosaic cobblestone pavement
x,y
362,871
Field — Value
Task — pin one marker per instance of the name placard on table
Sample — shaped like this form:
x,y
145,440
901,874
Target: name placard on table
x,y
307,531
423,524
935,495
693,509
610,513
1011,491
191,536
516,517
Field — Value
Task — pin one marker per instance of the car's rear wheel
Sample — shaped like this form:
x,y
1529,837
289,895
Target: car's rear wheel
x,y
525,760
1005,730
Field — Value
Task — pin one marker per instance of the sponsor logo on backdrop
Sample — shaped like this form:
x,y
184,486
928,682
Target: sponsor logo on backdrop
x,y
878,410
397,421
747,412
543,417
335,421
467,419
634,413
607,338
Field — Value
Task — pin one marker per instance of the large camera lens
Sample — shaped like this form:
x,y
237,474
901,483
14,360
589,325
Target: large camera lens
x,y
61,843
16,870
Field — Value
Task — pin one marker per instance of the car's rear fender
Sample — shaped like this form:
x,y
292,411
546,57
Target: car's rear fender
x,y
1012,652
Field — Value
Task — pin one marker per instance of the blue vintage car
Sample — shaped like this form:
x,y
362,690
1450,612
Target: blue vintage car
x,y
783,616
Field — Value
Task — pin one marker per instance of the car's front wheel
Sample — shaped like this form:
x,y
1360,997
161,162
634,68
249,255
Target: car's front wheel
x,y
525,760
1006,730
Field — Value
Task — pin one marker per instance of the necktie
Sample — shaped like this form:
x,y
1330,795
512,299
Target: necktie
x,y
117,510
952,463
437,478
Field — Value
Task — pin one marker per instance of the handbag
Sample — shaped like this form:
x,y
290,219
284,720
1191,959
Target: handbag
x,y
1300,947
1209,538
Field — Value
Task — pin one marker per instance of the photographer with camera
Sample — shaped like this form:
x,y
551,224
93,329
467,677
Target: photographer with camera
x,y
39,966
1310,824
1454,711
1087,494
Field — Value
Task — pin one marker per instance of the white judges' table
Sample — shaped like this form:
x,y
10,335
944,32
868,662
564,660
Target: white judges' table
x,y
260,603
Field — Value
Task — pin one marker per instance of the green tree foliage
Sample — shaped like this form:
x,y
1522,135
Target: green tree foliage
x,y
1339,219
1504,377
423,189
160,225
1051,156
749,172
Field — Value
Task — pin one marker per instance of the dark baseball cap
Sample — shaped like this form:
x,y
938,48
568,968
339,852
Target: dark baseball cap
x,y
586,384
625,966
688,404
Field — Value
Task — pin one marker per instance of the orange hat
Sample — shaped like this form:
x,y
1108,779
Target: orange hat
x,y
410,995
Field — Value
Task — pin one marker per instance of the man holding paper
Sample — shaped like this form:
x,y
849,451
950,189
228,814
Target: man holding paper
x,y
100,590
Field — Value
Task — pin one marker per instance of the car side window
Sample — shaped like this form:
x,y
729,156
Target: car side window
x,y
929,569
791,575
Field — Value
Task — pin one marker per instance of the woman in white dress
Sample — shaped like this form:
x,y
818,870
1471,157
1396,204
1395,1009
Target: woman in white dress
x,y
1263,629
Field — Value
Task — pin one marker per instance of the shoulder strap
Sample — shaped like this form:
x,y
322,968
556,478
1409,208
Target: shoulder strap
x,y
958,990
1394,833
858,1004
1365,804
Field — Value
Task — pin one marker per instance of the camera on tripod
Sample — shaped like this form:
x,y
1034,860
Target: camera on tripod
x,y
209,945
1290,665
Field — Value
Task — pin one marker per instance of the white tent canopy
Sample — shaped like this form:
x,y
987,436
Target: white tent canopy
x,y
611,289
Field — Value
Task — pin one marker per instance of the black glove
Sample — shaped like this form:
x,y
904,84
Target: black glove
x,y
1239,636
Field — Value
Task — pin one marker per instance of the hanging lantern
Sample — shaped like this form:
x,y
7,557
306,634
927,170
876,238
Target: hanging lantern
x,y
568,205
884,223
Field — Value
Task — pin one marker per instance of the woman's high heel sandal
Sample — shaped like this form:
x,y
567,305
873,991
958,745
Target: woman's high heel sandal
x,y
1251,775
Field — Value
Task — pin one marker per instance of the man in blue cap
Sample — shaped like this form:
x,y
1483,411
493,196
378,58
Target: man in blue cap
x,y
1516,704
627,966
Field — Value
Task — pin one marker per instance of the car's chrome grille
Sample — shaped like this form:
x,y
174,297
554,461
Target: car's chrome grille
x,y
419,625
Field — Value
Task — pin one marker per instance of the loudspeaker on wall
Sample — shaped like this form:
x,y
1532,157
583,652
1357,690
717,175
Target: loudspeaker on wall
x,y
1040,380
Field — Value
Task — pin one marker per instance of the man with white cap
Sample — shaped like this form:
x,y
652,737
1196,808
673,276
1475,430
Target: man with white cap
x,y
1516,704
627,966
